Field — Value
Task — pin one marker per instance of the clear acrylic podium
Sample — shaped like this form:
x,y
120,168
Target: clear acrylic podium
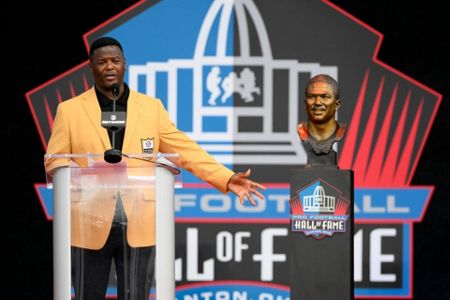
x,y
85,190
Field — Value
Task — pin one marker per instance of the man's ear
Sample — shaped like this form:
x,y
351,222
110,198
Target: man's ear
x,y
338,104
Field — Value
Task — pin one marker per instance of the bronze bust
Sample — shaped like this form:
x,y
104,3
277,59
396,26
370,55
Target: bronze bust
x,y
321,131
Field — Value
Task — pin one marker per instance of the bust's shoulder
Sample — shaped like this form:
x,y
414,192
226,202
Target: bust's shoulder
x,y
302,130
340,131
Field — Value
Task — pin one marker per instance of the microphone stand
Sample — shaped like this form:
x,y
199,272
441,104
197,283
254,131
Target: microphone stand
x,y
113,155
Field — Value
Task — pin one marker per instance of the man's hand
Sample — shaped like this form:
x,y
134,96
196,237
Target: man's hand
x,y
243,187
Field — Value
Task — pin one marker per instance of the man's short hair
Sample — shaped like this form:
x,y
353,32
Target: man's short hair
x,y
102,42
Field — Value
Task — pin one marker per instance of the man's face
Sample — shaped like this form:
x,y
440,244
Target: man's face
x,y
108,67
321,103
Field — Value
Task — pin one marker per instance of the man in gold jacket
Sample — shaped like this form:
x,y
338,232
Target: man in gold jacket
x,y
122,229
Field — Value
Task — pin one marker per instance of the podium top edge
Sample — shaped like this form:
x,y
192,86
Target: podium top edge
x,y
97,155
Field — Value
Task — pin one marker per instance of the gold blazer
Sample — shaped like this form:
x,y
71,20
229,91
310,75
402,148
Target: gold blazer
x,y
77,129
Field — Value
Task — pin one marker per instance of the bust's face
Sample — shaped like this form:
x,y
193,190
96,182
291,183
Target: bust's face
x,y
321,103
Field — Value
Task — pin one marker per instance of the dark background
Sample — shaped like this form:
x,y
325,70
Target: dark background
x,y
44,39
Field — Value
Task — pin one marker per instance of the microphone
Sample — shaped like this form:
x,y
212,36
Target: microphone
x,y
113,121
115,89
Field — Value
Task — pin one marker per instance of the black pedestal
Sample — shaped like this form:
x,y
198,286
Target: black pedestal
x,y
321,234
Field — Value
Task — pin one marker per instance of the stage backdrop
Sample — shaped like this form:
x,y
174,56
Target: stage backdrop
x,y
232,76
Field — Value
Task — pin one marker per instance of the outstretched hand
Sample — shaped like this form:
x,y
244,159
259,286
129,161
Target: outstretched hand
x,y
243,187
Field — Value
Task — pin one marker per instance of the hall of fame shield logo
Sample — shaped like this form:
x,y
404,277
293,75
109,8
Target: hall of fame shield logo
x,y
319,210
147,145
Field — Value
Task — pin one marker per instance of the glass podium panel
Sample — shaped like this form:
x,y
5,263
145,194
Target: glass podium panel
x,y
113,225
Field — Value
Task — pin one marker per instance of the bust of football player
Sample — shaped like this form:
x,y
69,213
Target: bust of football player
x,y
321,130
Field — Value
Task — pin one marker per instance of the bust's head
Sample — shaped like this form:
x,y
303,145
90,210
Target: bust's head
x,y
322,101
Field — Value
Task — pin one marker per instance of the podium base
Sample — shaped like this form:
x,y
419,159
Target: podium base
x,y
321,234
113,156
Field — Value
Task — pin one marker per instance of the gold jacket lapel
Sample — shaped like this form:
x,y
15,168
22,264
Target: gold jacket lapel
x,y
132,120
92,109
